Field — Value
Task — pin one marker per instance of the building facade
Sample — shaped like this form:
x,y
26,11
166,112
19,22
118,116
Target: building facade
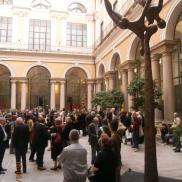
x,y
59,54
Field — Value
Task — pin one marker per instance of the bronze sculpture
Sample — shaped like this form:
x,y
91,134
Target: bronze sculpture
x,y
153,13
144,32
138,26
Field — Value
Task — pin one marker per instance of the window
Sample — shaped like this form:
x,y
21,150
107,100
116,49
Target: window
x,y
40,35
77,8
5,2
77,35
40,4
102,30
5,29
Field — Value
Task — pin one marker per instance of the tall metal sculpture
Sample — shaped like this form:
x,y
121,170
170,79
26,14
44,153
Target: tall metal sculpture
x,y
144,32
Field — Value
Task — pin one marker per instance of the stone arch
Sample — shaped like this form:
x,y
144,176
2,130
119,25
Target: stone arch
x,y
78,66
115,59
133,45
9,68
171,20
37,64
101,71
79,2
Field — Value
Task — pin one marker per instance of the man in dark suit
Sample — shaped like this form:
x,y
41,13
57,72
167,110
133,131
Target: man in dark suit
x,y
93,131
3,139
41,137
20,141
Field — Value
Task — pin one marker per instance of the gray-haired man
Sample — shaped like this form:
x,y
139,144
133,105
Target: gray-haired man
x,y
74,160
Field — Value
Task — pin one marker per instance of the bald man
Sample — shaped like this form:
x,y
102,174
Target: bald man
x,y
20,142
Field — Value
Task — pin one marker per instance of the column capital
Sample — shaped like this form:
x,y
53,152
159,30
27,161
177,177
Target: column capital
x,y
99,80
19,79
163,47
91,81
52,81
127,64
13,81
110,74
155,57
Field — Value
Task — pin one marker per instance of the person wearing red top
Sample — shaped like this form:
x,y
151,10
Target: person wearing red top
x,y
135,128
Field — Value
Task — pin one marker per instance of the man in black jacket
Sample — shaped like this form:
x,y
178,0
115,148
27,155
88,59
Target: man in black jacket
x,y
3,139
93,132
41,137
20,142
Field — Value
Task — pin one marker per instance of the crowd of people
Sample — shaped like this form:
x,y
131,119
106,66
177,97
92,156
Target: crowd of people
x,y
106,131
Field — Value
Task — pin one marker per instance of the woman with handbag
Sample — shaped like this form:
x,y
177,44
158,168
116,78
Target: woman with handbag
x,y
56,142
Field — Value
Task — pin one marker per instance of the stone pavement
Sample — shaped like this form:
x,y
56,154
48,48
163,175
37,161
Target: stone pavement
x,y
169,164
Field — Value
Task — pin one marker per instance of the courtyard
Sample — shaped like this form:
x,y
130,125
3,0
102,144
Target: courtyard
x,y
169,164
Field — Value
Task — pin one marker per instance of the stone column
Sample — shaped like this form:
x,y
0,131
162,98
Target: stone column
x,y
124,88
62,94
99,85
23,94
168,87
13,94
130,79
107,83
89,95
157,79
111,82
52,101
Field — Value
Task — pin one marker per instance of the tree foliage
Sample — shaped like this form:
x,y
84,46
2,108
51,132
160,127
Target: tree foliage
x,y
108,99
136,90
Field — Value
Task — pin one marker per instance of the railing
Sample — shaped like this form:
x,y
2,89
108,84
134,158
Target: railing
x,y
53,49
111,26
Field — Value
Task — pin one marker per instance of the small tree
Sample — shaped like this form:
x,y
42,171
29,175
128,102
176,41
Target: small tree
x,y
108,99
136,89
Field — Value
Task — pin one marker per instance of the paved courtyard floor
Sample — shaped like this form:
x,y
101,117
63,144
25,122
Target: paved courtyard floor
x,y
169,164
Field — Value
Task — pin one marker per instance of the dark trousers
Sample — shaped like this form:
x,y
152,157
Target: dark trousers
x,y
20,154
33,151
135,139
118,173
94,151
40,156
2,152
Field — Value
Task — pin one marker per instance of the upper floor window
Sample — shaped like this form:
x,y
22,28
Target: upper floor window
x,y
41,4
5,29
77,35
77,8
5,2
40,35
